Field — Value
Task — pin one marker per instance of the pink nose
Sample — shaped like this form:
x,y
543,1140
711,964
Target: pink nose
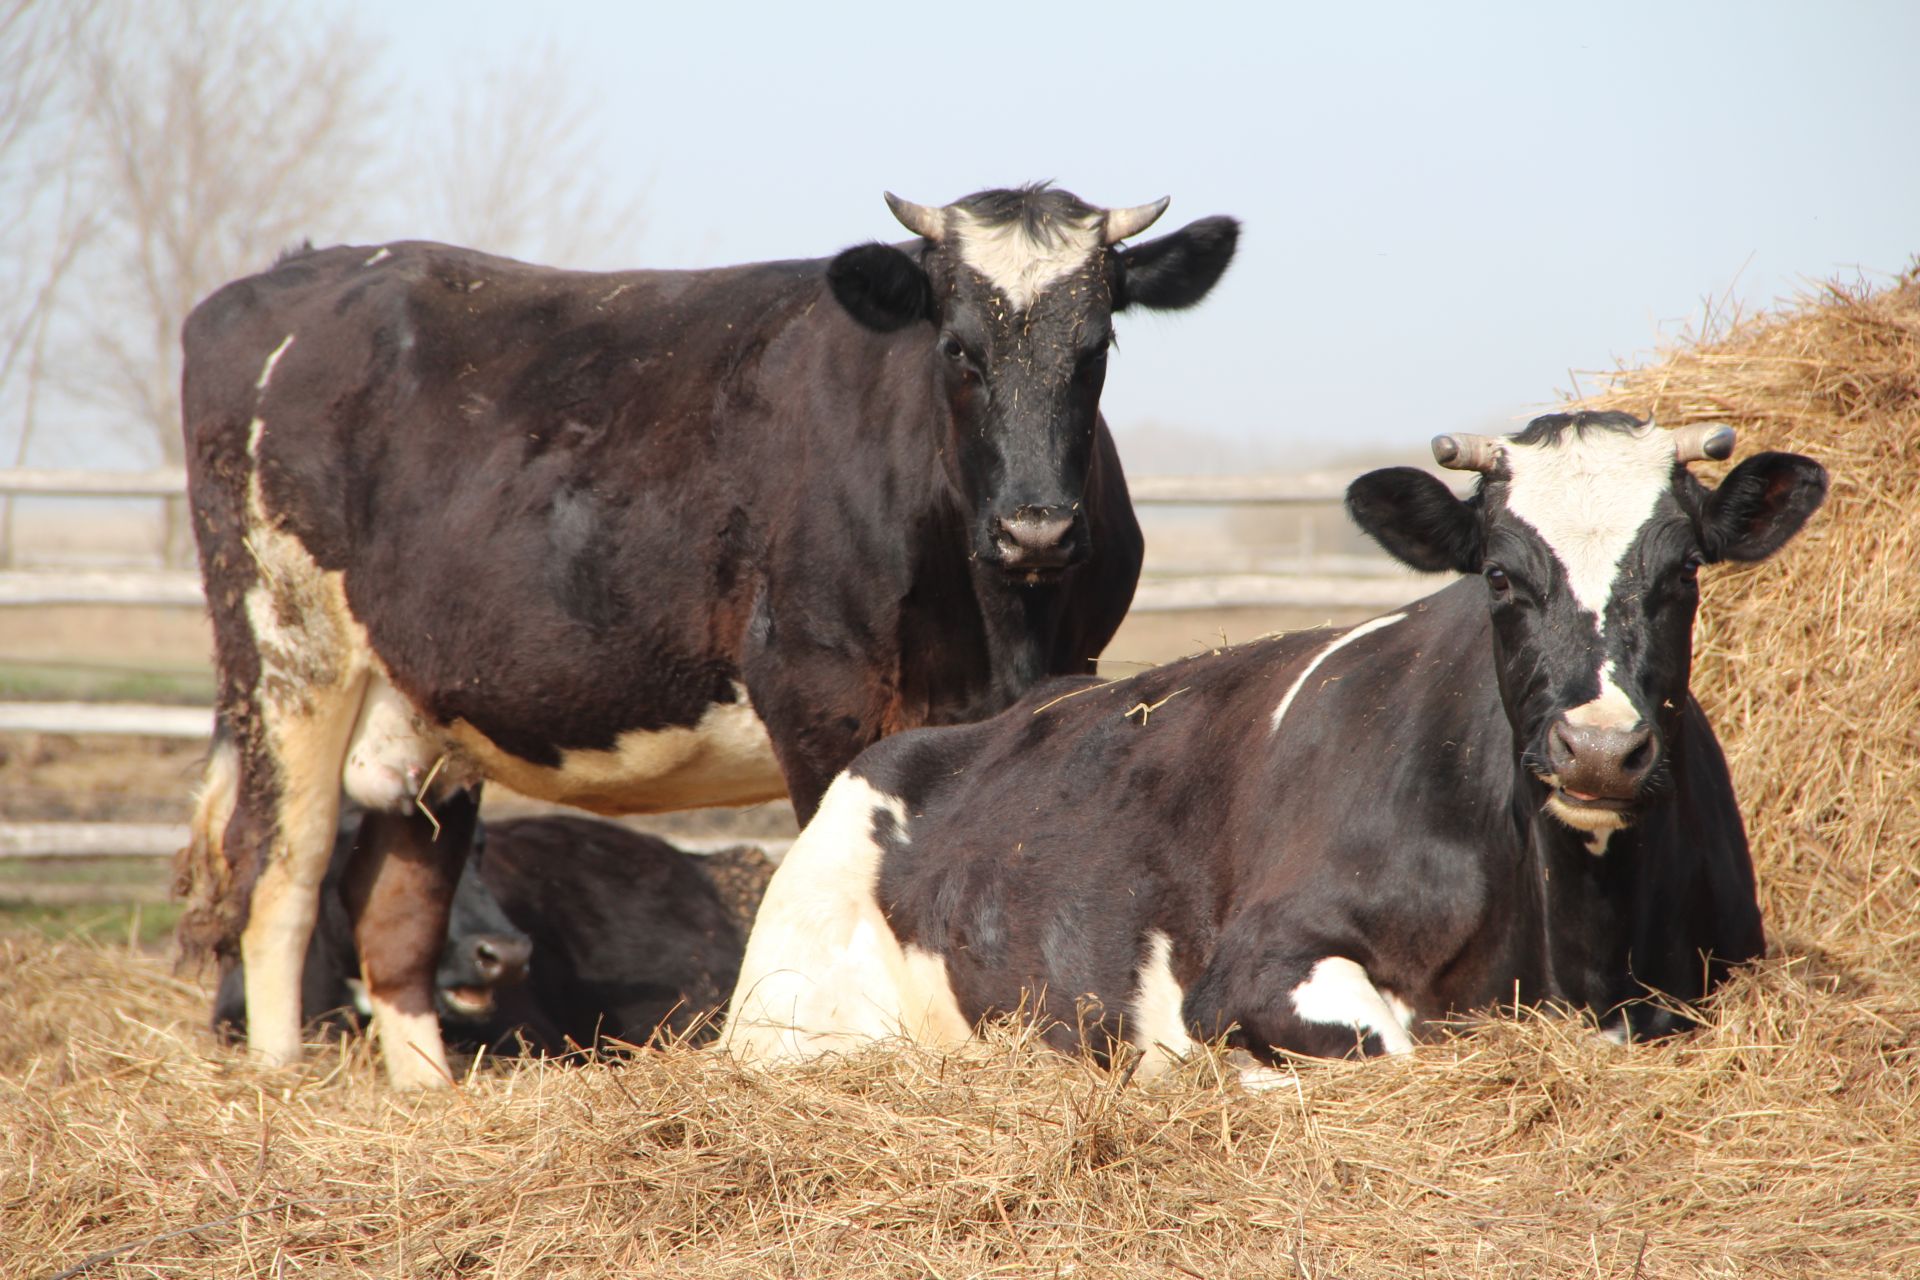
x,y
1600,762
1035,538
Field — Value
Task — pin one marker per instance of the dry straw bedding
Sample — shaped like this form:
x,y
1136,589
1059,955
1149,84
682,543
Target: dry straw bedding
x,y
1782,1140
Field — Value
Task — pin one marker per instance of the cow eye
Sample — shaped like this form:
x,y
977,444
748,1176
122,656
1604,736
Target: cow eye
x,y
952,348
1690,567
1498,580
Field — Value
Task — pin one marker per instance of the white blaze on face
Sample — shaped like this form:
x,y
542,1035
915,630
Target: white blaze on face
x,y
1017,264
1588,497
1338,993
823,971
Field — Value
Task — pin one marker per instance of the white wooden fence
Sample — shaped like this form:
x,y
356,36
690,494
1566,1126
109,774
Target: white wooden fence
x,y
1340,583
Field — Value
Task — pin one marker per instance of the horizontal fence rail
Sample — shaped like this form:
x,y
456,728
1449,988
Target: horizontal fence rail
x,y
1327,582
1271,489
160,482
1155,594
164,839
170,587
130,719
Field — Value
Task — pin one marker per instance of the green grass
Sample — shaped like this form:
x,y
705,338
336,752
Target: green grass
x,y
150,924
97,682
100,898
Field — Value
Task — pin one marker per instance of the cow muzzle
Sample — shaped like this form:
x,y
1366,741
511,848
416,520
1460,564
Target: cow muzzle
x,y
485,962
1039,542
1599,772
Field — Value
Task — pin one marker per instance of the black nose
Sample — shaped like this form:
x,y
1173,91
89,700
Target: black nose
x,y
1604,763
1036,538
500,958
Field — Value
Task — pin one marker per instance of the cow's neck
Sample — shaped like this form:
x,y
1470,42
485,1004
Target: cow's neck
x,y
1020,622
1586,906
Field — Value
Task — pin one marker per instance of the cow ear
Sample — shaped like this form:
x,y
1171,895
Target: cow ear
x,y
1418,520
1175,271
881,287
1760,505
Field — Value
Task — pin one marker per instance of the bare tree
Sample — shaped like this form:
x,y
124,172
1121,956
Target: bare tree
x,y
44,225
517,171
151,152
218,135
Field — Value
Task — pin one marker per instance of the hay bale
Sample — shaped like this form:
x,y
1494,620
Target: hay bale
x,y
1809,664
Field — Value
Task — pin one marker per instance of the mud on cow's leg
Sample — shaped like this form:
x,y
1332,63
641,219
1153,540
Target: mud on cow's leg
x,y
287,805
399,890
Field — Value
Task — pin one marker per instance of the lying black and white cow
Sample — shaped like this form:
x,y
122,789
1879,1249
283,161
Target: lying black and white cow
x,y
564,932
1325,842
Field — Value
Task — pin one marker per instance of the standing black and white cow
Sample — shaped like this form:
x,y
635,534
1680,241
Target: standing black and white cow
x,y
633,542
1324,843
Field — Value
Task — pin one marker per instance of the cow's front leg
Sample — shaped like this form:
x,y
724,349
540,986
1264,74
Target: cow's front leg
x,y
1315,999
821,709
399,890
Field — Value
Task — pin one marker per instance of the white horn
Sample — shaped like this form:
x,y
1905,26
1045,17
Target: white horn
x,y
922,220
1464,451
1123,224
1703,440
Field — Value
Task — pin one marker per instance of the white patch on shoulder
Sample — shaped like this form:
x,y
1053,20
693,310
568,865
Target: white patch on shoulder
x,y
1338,993
823,972
266,370
1017,264
1364,629
379,256
1155,1025
725,759
1588,497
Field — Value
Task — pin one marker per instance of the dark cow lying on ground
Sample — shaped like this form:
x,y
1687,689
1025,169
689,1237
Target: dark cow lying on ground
x,y
1325,843
633,542
565,933
483,955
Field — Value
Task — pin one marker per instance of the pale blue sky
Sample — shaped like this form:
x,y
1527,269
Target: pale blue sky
x,y
1446,208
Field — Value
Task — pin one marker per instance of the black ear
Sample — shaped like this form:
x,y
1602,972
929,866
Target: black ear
x,y
881,287
1760,505
1175,271
1418,520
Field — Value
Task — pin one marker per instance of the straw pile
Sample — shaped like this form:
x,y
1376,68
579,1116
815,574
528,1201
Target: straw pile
x,y
1781,1140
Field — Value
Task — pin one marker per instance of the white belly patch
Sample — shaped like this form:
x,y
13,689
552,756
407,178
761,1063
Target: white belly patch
x,y
725,759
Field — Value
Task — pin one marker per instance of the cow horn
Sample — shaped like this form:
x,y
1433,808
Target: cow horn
x,y
1125,223
923,220
1464,451
1703,440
